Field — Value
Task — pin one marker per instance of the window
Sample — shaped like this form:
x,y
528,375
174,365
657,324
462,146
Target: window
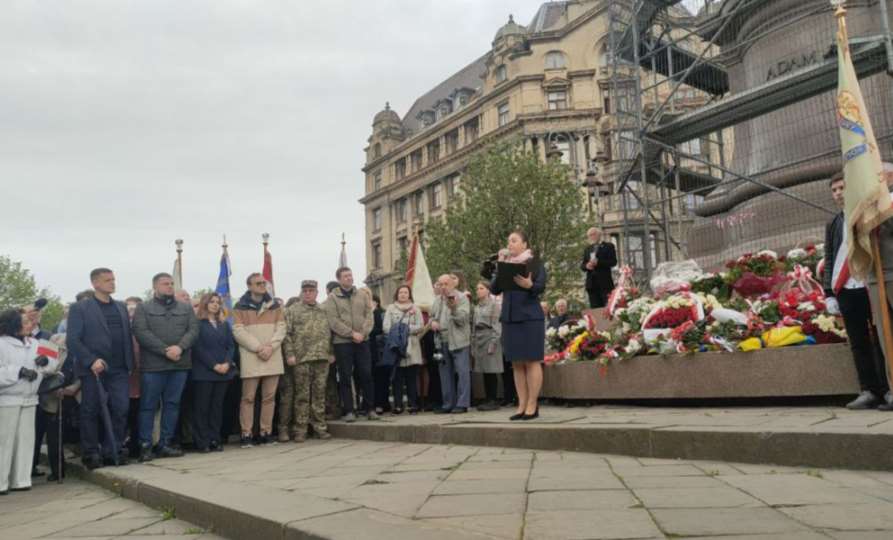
x,y
451,141
502,112
376,256
607,59
452,186
400,168
630,200
607,147
501,73
400,211
403,245
693,201
555,60
463,99
692,147
433,151
564,146
436,195
415,160
472,127
637,250
376,182
446,107
626,146
418,201
557,100
607,105
376,220
376,151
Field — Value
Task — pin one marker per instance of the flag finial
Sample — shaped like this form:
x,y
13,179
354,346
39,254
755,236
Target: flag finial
x,y
266,238
224,242
179,243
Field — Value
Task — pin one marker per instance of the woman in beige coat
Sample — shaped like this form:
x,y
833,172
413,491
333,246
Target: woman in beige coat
x,y
407,372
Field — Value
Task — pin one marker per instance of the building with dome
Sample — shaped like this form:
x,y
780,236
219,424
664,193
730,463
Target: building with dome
x,y
545,83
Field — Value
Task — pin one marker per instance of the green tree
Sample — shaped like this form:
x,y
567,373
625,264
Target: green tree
x,y
19,288
504,188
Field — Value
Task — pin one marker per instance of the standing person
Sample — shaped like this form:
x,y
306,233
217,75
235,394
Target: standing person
x,y
19,380
486,346
166,331
350,318
100,339
308,348
452,319
406,372
849,297
333,396
212,370
259,328
50,403
34,314
284,413
523,331
133,414
381,375
598,259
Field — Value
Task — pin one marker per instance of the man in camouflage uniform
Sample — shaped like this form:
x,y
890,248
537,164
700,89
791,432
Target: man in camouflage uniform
x,y
287,392
308,346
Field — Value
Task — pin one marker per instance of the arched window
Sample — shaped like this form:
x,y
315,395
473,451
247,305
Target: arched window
x,y
501,73
556,60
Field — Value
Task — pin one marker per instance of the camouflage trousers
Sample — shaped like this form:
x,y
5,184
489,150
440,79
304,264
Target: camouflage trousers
x,y
302,399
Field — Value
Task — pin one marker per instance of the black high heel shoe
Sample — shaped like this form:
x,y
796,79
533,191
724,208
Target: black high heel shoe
x,y
536,414
517,416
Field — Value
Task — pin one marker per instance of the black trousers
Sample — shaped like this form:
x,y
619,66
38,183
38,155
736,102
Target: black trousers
x,y
117,386
133,428
40,429
491,386
856,311
207,411
597,298
350,358
407,377
382,383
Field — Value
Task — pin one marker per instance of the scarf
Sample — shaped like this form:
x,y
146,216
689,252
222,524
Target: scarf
x,y
505,256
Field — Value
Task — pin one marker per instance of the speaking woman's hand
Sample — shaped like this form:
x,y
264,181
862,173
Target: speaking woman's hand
x,y
524,282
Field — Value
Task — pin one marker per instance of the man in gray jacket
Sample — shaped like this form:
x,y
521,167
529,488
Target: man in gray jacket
x,y
451,319
166,330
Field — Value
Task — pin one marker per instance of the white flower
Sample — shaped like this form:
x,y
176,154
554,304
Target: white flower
x,y
550,333
806,306
820,248
581,324
768,253
563,331
633,346
625,328
797,253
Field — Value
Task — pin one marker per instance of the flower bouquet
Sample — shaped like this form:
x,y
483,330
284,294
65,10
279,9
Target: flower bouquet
x,y
825,329
624,293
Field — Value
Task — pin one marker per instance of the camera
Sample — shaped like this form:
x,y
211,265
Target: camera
x,y
438,348
488,267
42,361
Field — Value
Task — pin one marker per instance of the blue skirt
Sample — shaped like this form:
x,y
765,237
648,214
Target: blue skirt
x,y
524,341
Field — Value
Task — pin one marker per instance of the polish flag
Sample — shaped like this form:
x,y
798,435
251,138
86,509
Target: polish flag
x,y
268,271
417,276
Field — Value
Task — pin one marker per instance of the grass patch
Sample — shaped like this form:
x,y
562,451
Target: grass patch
x,y
168,513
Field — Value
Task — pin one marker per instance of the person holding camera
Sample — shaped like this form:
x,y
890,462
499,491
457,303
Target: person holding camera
x,y
406,372
20,376
452,321
523,329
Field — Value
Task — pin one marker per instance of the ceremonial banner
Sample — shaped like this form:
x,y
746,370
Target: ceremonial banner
x,y
268,269
178,275
223,285
417,276
867,198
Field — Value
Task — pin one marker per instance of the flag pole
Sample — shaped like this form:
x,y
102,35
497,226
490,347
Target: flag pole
x,y
887,325
179,243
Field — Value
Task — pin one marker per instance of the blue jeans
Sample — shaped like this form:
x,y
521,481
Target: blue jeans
x,y
165,387
455,363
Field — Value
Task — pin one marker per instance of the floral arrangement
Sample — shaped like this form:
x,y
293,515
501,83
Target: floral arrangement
x,y
624,293
760,300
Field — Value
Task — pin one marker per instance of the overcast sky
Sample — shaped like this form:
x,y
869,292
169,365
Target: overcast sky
x,y
127,124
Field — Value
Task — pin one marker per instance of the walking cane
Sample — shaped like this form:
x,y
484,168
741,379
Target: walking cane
x,y
60,473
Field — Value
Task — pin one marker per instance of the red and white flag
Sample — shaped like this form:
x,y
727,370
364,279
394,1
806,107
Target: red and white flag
x,y
417,276
48,349
268,271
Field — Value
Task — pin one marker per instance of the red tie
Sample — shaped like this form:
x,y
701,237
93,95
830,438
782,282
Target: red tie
x,y
843,277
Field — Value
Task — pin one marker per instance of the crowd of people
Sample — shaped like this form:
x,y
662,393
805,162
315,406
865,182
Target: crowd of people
x,y
146,379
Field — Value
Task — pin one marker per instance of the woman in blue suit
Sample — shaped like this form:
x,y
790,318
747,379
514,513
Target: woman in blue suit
x,y
523,326
212,370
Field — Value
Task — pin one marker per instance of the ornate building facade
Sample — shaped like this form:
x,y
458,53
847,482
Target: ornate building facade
x,y
545,83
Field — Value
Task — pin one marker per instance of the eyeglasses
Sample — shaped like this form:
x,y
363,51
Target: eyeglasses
x,y
259,284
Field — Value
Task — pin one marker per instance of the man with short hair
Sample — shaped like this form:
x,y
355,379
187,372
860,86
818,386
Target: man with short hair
x,y
598,259
259,329
308,348
165,330
100,342
451,319
848,296
560,314
349,312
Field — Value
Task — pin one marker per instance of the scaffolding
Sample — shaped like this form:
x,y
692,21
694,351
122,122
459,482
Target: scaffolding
x,y
691,144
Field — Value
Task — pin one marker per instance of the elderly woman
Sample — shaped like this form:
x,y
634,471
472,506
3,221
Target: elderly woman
x,y
486,349
20,379
403,310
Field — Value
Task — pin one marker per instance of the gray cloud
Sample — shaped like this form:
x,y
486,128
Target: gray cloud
x,y
124,125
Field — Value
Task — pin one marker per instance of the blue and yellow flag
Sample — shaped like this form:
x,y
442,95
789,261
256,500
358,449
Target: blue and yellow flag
x,y
223,285
867,197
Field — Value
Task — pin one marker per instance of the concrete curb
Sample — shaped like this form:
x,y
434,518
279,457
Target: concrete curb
x,y
790,448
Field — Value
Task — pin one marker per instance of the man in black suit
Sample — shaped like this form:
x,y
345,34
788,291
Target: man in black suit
x,y
849,297
598,259
100,339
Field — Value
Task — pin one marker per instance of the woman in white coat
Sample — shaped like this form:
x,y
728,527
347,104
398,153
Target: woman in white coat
x,y
407,372
19,381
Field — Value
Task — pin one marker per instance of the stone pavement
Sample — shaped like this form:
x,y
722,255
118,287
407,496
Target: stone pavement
x,y
793,436
348,489
77,510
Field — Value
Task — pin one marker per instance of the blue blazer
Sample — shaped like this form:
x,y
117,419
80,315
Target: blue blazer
x,y
214,346
88,336
520,306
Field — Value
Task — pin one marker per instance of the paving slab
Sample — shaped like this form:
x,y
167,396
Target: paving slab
x,y
856,517
594,524
505,526
708,497
725,521
472,505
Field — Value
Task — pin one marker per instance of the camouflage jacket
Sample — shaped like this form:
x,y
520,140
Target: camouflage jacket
x,y
308,336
